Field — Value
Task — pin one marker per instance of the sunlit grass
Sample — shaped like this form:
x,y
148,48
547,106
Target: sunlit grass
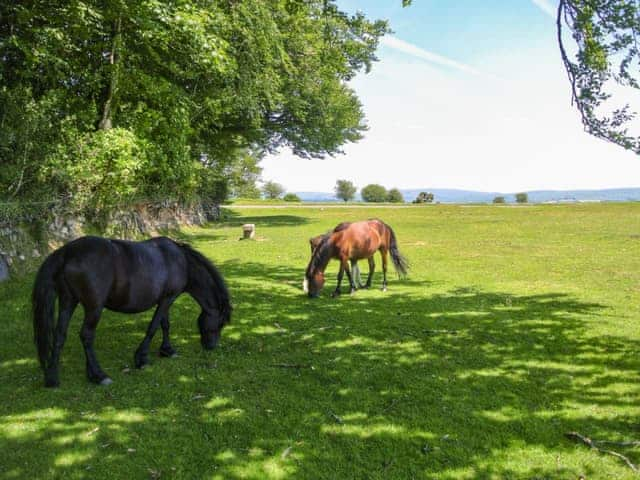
x,y
515,326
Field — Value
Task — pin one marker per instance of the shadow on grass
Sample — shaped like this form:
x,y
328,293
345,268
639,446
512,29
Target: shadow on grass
x,y
406,384
234,218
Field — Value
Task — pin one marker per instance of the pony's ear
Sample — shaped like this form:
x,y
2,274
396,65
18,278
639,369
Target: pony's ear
x,y
305,285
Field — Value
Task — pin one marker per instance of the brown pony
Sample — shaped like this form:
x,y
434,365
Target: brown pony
x,y
353,241
355,270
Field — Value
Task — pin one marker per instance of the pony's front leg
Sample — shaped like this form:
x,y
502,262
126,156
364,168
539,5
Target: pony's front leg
x,y
336,292
166,350
87,336
352,285
141,357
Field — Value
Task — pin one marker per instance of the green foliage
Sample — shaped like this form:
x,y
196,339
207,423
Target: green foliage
x,y
272,190
102,169
499,199
522,197
345,190
243,176
199,86
424,197
374,193
395,196
605,35
291,197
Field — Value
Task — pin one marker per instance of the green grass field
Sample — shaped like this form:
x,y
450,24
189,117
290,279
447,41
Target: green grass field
x,y
515,326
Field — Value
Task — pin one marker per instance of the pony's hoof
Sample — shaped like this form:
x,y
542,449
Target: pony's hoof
x,y
51,383
335,294
106,381
384,289
141,362
168,352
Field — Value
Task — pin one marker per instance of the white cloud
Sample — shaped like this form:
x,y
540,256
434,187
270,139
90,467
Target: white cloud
x,y
546,7
417,52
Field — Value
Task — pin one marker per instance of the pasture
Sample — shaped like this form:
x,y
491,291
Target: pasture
x,y
515,326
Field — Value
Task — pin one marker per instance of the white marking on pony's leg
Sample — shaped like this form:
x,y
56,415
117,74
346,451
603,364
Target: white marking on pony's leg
x,y
305,285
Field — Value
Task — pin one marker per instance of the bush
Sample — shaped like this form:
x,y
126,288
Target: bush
x,y
522,198
291,197
374,193
395,196
499,200
99,170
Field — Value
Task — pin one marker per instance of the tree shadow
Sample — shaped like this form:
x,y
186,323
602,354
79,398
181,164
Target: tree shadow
x,y
234,218
416,382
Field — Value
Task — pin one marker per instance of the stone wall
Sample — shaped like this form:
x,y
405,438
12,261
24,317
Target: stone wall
x,y
23,244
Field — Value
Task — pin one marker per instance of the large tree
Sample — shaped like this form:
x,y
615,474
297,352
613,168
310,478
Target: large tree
x,y
187,86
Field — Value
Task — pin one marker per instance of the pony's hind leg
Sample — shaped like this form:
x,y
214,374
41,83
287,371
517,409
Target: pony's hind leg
x,y
355,273
87,336
161,316
66,306
383,254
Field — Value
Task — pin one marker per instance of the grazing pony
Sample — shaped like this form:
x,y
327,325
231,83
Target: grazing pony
x,y
353,241
355,270
128,277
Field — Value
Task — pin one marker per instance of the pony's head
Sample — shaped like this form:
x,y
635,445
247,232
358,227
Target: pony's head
x,y
313,284
208,288
210,324
320,256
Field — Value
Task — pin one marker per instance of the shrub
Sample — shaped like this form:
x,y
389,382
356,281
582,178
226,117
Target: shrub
x,y
100,169
499,200
522,198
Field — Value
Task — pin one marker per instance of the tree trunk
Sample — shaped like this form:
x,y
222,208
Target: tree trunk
x,y
114,62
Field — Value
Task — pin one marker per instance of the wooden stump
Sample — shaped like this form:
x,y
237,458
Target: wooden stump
x,y
248,231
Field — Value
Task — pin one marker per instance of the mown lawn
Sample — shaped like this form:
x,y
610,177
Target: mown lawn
x,y
515,326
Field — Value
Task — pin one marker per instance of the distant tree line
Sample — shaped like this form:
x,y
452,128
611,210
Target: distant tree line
x,y
374,193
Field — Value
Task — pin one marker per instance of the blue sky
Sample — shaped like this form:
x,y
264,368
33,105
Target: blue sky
x,y
467,94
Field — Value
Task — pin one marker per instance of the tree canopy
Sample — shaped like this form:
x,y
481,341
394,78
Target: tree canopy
x,y
183,88
374,193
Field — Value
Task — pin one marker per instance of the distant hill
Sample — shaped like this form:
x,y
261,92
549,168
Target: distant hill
x,y
446,195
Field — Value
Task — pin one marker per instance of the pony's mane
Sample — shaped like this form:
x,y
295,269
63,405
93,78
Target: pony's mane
x,y
220,291
320,257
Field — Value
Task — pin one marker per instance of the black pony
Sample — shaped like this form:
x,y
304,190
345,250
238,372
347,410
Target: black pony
x,y
127,277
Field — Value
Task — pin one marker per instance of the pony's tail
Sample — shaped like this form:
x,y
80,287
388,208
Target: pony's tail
x,y
400,263
43,299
